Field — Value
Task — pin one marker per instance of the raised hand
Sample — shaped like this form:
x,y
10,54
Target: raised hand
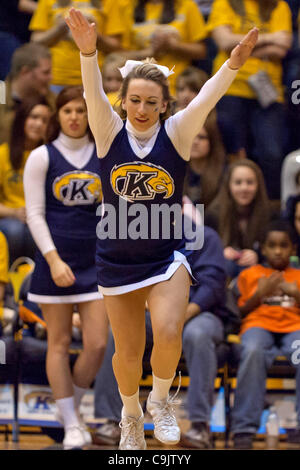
x,y
83,32
243,50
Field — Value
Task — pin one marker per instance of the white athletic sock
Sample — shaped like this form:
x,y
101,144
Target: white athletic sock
x,y
67,410
160,388
78,394
132,406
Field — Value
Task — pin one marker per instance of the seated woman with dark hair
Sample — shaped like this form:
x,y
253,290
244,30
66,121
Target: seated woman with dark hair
x,y
207,164
27,132
239,213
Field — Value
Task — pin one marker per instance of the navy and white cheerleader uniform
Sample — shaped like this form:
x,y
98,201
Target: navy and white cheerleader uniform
x,y
144,168
72,196
124,263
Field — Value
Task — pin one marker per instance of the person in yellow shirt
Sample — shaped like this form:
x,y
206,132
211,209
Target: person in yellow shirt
x,y
171,31
49,28
27,132
251,115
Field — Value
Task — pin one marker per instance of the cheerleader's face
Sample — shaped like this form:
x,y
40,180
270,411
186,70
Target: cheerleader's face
x,y
73,118
143,103
243,185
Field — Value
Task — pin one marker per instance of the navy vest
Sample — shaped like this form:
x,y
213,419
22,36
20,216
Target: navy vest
x,y
140,193
72,196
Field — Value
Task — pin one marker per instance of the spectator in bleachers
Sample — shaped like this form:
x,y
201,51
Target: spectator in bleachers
x,y
49,28
206,166
111,76
269,304
205,318
28,131
62,192
251,115
239,213
172,32
30,74
188,84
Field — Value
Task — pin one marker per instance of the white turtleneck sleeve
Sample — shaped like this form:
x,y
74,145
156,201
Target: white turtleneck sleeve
x,y
181,128
77,152
34,179
104,122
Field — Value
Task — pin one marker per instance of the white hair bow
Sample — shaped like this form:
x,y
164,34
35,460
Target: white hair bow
x,y
131,64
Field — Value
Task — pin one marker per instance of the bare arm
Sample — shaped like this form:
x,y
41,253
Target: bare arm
x,y
188,50
53,35
27,6
226,40
108,44
270,52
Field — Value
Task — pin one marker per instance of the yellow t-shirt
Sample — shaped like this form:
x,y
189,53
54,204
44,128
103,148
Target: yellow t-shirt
x,y
11,181
3,259
188,23
65,54
222,14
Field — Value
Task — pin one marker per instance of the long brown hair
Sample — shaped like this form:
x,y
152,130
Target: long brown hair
x,y
266,8
17,133
67,94
167,16
213,169
227,214
147,71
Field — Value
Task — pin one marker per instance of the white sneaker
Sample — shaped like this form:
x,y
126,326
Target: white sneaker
x,y
132,433
166,429
82,425
73,438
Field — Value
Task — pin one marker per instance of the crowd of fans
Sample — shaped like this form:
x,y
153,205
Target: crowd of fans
x,y
238,160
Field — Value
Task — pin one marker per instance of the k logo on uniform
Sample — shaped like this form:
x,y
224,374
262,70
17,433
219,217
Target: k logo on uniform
x,y
138,181
77,188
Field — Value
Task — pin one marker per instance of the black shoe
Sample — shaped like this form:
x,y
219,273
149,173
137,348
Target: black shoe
x,y
197,437
243,441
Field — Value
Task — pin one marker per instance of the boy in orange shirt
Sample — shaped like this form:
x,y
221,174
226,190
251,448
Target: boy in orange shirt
x,y
269,303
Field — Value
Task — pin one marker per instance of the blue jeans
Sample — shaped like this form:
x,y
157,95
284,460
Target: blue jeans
x,y
259,347
8,44
19,239
201,336
245,124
